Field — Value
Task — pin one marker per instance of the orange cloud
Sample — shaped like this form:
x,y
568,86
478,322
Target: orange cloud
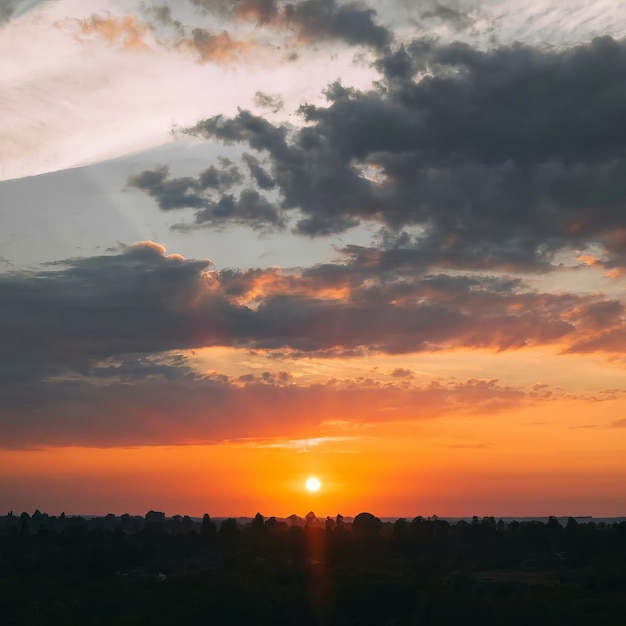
x,y
173,405
252,11
128,31
587,259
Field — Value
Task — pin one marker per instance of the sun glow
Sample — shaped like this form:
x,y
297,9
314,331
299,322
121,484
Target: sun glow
x,y
313,484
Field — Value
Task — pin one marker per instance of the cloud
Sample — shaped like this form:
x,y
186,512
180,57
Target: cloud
x,y
248,208
215,408
310,20
499,158
76,315
187,192
457,17
7,8
328,19
127,31
261,177
170,194
212,46
259,10
402,372
269,101
92,350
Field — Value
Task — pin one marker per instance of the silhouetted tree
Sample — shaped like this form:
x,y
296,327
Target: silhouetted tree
x,y
367,525
229,529
257,526
400,535
24,519
208,528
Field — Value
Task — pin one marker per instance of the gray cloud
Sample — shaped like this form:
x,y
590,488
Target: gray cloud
x,y
179,193
501,158
310,20
269,101
452,15
328,19
99,336
261,10
7,7
207,194
80,315
249,208
261,177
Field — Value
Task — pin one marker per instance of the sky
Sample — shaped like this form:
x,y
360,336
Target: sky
x,y
247,242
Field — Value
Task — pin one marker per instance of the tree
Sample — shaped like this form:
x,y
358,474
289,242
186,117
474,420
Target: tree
x,y
24,519
257,526
208,528
367,525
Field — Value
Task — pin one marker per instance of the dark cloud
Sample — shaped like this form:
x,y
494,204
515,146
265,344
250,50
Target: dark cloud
x,y
249,208
87,345
89,316
261,177
137,367
305,22
77,313
221,179
328,19
206,194
180,193
310,176
499,158
310,20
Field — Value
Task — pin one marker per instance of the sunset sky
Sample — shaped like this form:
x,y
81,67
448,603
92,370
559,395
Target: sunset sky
x,y
246,242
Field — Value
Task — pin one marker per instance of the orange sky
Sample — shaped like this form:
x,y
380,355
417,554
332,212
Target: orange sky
x,y
540,460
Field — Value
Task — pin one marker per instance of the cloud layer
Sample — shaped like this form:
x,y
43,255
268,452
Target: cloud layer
x,y
487,178
76,313
499,158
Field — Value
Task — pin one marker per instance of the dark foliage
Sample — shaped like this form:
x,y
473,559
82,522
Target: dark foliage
x,y
127,571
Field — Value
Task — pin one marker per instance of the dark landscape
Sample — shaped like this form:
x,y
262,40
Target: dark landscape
x,y
154,570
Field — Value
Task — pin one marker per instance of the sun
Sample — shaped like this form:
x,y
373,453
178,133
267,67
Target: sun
x,y
313,484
